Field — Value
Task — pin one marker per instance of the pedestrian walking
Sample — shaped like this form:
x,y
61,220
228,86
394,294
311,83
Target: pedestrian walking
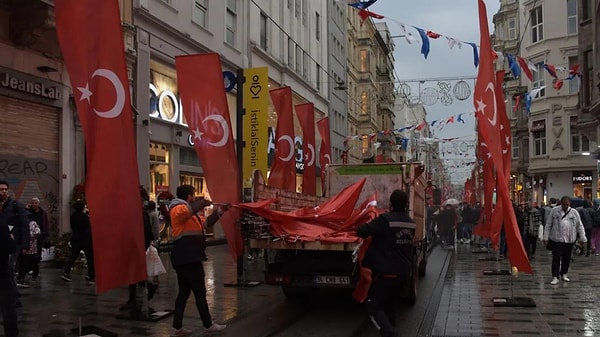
x,y
28,257
532,227
13,216
136,304
562,227
8,295
187,255
595,245
390,257
586,213
81,240
447,222
40,217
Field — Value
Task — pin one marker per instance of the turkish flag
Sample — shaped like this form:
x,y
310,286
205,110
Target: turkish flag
x,y
200,83
325,150
283,169
91,41
306,116
505,134
484,99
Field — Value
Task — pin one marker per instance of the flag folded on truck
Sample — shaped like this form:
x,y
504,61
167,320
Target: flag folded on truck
x,y
321,223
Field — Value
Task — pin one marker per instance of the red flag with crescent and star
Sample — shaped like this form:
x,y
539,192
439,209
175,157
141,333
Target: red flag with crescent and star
x,y
91,40
325,150
283,169
484,99
306,117
200,83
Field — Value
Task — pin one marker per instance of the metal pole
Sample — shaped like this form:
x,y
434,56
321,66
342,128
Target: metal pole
x,y
241,277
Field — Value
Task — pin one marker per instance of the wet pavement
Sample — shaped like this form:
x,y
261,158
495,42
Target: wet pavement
x,y
465,308
567,309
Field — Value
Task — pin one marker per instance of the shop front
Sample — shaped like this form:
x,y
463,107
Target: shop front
x,y
164,139
30,116
582,184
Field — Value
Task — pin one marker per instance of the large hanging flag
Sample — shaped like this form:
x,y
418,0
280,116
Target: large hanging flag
x,y
325,150
487,121
91,41
207,113
306,116
283,170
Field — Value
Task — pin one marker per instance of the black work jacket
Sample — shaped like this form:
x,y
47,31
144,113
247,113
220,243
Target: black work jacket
x,y
391,249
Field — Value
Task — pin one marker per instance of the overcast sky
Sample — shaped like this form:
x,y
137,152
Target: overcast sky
x,y
454,18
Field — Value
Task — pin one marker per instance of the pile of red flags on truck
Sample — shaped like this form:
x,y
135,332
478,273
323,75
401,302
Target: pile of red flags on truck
x,y
333,221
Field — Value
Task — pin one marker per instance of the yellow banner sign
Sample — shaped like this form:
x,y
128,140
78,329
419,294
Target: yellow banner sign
x,y
256,136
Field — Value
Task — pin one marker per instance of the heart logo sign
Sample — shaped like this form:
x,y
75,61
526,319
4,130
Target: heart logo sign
x,y
255,89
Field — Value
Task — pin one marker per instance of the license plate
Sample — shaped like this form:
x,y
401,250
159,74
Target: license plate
x,y
332,279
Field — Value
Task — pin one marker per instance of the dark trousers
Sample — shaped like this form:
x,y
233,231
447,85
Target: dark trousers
x,y
530,244
561,258
76,248
190,278
8,305
380,303
38,258
26,264
588,235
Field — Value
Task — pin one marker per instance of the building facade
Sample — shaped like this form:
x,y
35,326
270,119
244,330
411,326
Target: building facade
x,y
42,145
338,99
550,149
370,87
588,120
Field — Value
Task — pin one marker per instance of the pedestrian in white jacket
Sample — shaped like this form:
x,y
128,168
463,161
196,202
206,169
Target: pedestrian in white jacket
x,y
561,230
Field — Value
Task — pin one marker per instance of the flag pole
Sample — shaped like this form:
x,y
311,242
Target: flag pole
x,y
240,112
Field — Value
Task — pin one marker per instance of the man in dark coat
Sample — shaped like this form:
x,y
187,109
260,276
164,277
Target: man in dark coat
x,y
81,239
390,257
8,295
14,216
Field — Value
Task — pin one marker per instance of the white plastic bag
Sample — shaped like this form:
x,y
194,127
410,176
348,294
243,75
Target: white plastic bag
x,y
541,233
154,265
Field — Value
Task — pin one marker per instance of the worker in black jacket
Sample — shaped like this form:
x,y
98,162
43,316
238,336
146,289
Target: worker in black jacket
x,y
390,257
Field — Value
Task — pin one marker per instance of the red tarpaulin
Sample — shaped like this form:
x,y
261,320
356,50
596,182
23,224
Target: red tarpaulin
x,y
321,223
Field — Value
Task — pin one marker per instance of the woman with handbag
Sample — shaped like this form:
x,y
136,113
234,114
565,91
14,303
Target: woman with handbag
x,y
562,227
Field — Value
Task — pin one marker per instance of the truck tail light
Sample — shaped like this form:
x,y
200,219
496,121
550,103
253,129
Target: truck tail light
x,y
278,279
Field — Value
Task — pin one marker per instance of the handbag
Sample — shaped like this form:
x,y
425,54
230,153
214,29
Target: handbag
x,y
154,265
541,233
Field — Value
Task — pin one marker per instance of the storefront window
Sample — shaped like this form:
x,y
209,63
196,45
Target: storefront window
x,y
194,180
582,184
159,169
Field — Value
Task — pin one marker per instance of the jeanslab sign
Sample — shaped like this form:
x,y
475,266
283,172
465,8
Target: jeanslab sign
x,y
22,85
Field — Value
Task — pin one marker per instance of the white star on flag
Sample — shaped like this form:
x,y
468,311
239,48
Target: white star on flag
x,y
481,106
85,92
198,134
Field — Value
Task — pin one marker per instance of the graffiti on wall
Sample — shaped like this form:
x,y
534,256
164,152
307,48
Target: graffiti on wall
x,y
33,177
